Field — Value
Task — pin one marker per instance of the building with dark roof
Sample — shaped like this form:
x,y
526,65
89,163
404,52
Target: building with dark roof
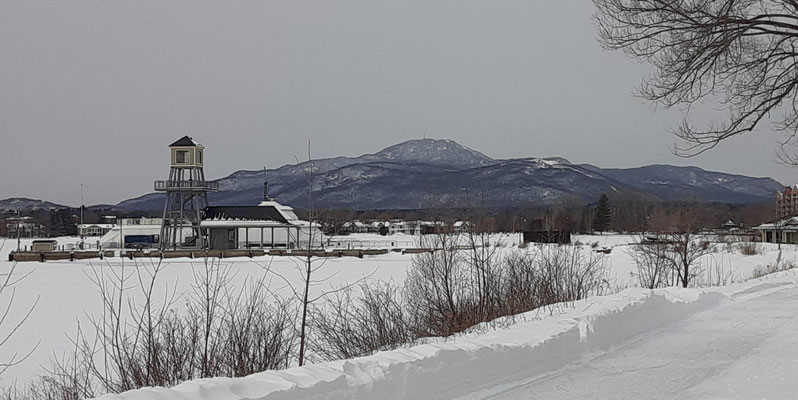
x,y
185,141
268,225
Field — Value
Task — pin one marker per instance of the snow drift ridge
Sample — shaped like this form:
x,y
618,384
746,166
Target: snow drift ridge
x,y
465,365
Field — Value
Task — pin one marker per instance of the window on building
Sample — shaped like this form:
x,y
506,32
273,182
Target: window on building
x,y
199,156
181,157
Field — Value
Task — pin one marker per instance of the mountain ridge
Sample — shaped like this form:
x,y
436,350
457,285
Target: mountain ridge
x,y
424,173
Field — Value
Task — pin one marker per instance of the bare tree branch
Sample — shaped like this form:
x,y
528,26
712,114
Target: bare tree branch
x,y
740,54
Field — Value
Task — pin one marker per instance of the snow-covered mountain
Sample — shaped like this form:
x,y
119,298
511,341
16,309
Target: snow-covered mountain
x,y
25,204
430,173
434,152
677,183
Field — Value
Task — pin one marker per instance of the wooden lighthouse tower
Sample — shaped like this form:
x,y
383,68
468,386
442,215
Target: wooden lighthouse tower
x,y
186,196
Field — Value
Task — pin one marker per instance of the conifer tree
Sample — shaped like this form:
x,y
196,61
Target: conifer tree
x,y
603,215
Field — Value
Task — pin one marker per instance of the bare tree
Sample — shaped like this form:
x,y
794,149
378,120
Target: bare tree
x,y
684,254
309,265
437,285
651,261
8,325
741,55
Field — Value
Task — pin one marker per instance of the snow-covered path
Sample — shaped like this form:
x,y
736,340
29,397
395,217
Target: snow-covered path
x,y
741,349
730,342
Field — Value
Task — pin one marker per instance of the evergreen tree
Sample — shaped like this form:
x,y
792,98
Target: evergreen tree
x,y
603,215
62,223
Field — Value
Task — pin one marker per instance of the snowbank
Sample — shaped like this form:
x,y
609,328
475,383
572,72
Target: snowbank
x,y
474,362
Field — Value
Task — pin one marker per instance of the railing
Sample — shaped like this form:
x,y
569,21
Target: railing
x,y
209,186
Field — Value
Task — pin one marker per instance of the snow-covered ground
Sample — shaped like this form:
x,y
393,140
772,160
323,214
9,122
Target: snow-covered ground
x,y
65,291
730,342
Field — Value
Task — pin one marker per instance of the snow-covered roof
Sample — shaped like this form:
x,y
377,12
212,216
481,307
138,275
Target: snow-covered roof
x,y
788,223
241,223
103,226
128,230
287,212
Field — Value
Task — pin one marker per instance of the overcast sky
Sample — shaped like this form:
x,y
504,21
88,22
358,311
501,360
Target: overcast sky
x,y
94,92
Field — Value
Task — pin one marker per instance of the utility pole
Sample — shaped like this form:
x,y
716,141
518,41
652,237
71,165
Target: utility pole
x,y
18,239
265,185
121,238
82,206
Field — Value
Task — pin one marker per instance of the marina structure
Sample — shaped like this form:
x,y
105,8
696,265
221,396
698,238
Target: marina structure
x,y
186,196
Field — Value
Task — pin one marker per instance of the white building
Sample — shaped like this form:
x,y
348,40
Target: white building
x,y
779,231
132,230
94,229
267,225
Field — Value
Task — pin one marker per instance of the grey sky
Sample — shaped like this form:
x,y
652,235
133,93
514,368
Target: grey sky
x,y
94,91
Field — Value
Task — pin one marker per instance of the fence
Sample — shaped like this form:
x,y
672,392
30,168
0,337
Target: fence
x,y
27,256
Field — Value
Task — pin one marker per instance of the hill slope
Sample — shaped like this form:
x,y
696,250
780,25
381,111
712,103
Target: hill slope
x,y
429,172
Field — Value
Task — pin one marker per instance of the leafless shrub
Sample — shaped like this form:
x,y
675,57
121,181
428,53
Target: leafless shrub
x,y
522,279
750,248
652,265
773,268
257,332
438,287
452,290
143,340
449,291
717,273
68,379
569,274
349,325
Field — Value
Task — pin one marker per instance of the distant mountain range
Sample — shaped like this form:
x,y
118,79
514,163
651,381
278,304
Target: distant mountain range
x,y
24,204
430,173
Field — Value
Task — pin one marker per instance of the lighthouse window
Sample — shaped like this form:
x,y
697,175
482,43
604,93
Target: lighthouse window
x,y
181,157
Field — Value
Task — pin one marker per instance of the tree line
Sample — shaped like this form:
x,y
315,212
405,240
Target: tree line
x,y
617,214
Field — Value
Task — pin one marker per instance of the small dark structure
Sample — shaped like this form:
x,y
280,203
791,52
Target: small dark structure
x,y
651,240
537,233
559,237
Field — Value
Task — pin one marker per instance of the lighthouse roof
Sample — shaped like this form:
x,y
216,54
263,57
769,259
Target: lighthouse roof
x,y
185,141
